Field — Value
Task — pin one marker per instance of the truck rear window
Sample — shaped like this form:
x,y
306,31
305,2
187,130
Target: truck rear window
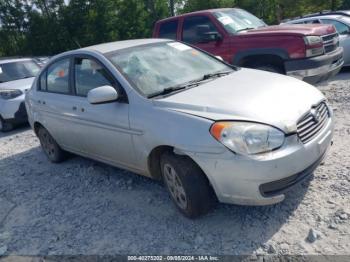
x,y
168,29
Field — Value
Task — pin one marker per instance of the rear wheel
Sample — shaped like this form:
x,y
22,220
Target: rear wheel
x,y
50,146
187,185
5,126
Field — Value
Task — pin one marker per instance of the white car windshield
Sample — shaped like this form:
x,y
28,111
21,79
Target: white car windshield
x,y
18,70
154,68
237,20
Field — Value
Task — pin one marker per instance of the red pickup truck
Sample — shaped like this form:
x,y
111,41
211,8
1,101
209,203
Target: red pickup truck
x,y
308,52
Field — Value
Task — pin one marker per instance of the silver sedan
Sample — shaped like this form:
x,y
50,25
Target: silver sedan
x,y
168,111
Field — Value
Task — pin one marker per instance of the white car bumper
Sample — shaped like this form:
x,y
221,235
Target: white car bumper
x,y
13,109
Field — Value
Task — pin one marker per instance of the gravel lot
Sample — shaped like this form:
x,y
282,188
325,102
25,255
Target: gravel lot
x,y
85,207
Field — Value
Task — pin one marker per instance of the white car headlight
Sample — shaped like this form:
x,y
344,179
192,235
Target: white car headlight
x,y
247,138
10,93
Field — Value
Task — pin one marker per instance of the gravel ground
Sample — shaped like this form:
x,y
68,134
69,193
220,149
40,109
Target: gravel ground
x,y
85,207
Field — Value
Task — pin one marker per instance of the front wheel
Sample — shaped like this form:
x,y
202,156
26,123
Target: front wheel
x,y
187,185
50,146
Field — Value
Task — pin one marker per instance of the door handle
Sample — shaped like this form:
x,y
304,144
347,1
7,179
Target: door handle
x,y
44,103
74,108
39,102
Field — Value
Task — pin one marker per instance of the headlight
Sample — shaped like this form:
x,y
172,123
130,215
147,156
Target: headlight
x,y
247,138
313,40
10,93
314,45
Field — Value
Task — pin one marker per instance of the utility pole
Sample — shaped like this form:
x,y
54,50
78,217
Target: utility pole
x,y
172,7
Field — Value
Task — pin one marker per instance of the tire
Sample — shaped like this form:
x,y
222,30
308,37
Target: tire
x,y
269,68
187,184
50,147
5,126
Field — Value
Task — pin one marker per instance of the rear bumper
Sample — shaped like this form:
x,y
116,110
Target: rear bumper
x,y
316,69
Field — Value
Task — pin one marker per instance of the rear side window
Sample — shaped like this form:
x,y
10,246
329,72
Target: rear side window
x,y
58,77
191,33
89,75
168,29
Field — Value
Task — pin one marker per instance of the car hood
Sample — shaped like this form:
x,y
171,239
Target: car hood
x,y
248,95
21,84
287,29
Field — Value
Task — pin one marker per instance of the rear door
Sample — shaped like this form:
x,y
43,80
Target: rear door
x,y
54,101
168,29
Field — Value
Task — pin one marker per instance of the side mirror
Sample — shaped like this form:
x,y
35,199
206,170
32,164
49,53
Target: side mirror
x,y
102,94
205,35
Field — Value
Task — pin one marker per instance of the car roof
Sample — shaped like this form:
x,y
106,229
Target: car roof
x,y
114,46
333,17
12,60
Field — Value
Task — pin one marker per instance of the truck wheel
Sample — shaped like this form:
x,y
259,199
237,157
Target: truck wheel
x,y
270,68
5,126
187,185
50,146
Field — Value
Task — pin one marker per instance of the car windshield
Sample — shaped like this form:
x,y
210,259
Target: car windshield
x,y
154,68
18,70
237,20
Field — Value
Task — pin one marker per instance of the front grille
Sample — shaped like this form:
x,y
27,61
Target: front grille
x,y
313,122
330,42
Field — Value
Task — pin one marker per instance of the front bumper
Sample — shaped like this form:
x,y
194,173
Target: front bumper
x,y
316,69
239,179
13,110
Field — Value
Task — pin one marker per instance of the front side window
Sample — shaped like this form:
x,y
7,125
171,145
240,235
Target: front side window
x,y
155,67
237,20
192,28
88,75
18,70
58,77
342,29
168,29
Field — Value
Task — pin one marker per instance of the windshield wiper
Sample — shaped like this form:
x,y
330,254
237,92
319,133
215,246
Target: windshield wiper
x,y
244,29
218,74
172,89
192,83
166,91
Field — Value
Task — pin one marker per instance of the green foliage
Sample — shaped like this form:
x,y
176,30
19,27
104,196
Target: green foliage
x,y
47,27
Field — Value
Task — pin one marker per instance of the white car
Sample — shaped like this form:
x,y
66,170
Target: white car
x,y
16,77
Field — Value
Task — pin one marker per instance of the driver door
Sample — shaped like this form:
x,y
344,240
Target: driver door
x,y
191,34
103,128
